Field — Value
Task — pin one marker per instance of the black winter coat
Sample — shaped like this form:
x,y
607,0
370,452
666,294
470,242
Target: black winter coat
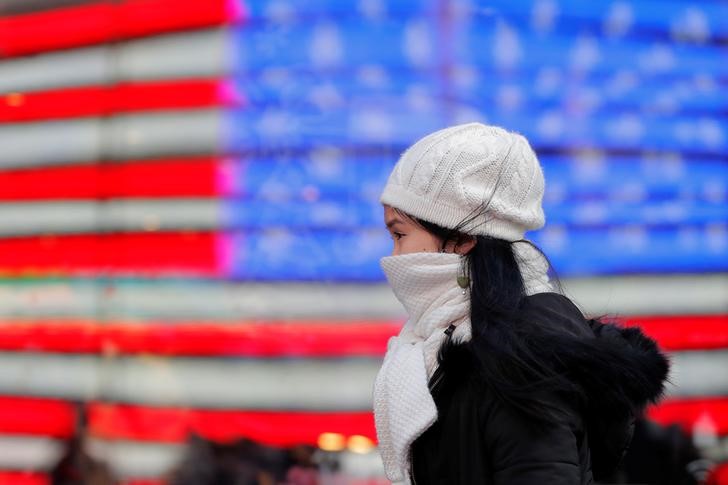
x,y
477,439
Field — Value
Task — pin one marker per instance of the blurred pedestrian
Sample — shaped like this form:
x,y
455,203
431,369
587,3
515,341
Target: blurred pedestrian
x,y
304,470
78,467
496,377
243,462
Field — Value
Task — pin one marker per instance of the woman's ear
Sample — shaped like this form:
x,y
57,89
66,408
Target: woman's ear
x,y
465,244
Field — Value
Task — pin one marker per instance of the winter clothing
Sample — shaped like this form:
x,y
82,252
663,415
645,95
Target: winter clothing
x,y
439,421
451,174
479,440
426,285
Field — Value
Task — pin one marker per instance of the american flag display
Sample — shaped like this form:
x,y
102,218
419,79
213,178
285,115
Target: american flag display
x,y
189,218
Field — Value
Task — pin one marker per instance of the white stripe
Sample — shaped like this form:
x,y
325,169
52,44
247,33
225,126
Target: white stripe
x,y
302,384
126,459
221,301
121,137
160,57
29,452
39,144
228,383
68,217
669,294
130,459
699,373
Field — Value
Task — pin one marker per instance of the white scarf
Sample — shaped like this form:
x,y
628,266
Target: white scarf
x,y
426,285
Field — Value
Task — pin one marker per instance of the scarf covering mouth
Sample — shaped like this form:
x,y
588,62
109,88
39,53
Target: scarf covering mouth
x,y
426,285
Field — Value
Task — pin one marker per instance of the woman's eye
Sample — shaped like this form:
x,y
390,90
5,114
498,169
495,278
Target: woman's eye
x,y
397,235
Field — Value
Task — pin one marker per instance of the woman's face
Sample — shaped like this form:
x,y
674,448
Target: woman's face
x,y
408,237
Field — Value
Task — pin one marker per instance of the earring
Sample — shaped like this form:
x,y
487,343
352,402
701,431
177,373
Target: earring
x,y
463,282
463,279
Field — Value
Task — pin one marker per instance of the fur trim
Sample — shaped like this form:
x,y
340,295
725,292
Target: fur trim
x,y
627,368
615,371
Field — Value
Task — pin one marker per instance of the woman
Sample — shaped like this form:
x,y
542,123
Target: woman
x,y
496,377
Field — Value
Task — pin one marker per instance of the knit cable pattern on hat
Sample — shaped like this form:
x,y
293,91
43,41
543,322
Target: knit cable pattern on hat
x,y
466,170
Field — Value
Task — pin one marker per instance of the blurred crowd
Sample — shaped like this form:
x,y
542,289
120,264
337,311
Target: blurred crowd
x,y
659,455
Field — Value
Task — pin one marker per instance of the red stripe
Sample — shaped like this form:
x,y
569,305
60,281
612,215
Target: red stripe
x,y
250,339
49,417
104,100
34,478
706,415
23,478
719,476
105,22
273,339
137,18
149,254
691,332
273,428
172,425
56,29
191,177
56,418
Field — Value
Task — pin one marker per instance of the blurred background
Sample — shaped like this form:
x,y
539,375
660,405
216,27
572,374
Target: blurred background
x,y
190,231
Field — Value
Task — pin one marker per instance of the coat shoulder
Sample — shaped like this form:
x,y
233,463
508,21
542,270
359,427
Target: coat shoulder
x,y
596,356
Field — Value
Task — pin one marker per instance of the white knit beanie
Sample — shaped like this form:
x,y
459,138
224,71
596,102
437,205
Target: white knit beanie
x,y
450,175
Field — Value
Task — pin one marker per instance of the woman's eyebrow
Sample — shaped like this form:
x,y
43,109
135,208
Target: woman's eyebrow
x,y
393,222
